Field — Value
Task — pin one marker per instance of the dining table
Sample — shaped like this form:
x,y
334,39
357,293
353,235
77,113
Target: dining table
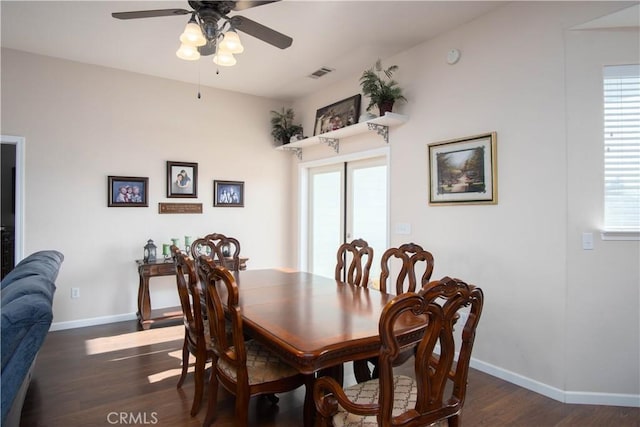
x,y
315,322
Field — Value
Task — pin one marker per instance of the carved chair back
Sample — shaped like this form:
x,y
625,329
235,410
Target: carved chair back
x,y
190,295
195,330
358,256
226,248
409,255
222,296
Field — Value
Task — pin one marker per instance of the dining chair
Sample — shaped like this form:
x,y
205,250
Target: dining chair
x,y
196,331
353,262
436,392
227,249
409,254
355,253
244,368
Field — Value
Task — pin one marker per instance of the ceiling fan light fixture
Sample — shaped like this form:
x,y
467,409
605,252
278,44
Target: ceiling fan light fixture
x,y
192,34
224,58
188,53
231,42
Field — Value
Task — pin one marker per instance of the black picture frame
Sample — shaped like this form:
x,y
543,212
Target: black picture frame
x,y
337,115
228,194
182,180
127,191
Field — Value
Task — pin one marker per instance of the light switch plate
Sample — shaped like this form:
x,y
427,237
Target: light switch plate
x,y
403,228
587,241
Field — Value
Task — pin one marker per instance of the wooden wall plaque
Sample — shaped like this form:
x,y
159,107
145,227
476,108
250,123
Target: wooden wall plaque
x,y
179,208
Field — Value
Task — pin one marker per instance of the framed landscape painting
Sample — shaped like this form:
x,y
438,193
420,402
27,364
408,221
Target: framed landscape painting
x,y
463,171
127,191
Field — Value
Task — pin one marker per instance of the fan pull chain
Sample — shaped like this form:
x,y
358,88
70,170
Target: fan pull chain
x,y
199,80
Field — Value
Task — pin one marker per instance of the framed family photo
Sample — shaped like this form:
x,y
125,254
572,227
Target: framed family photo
x,y
228,193
338,115
127,191
182,180
463,171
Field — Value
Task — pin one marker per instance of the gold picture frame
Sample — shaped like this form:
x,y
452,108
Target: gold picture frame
x,y
464,171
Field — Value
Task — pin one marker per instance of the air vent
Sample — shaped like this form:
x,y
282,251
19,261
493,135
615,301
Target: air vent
x,y
321,72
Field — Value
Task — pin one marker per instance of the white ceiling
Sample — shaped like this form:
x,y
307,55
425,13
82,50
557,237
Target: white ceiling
x,y
347,36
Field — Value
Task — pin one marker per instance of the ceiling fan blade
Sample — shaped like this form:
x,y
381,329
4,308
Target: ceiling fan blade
x,y
149,13
261,32
246,4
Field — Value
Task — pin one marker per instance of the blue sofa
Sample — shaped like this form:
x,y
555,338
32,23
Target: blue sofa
x,y
26,308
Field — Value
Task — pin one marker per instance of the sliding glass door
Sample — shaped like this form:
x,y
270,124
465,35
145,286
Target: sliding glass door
x,y
346,201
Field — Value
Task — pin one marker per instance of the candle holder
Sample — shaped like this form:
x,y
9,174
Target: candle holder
x,y
166,251
187,244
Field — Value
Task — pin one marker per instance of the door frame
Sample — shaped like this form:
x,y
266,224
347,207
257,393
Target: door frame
x,y
303,194
19,142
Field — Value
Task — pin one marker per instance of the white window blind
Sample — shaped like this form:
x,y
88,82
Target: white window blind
x,y
622,148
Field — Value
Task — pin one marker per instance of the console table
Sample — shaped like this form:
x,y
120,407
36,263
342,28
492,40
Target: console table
x,y
159,268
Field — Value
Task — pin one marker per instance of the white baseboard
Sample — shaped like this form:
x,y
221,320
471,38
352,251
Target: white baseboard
x,y
59,326
575,397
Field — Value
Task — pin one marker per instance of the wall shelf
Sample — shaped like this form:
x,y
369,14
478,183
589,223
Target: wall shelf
x,y
380,125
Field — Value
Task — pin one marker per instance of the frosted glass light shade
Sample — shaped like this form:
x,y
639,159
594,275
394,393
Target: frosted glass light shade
x,y
224,58
188,53
192,35
231,42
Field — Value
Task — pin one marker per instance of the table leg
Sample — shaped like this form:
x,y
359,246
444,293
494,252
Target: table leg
x,y
144,302
309,409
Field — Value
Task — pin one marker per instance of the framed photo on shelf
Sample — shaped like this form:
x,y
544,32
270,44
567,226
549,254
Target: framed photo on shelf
x,y
338,115
182,180
127,191
463,171
228,194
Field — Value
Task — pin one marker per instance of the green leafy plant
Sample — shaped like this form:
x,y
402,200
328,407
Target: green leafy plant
x,y
282,127
377,83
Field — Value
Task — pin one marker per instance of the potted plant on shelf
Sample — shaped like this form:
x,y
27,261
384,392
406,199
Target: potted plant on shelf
x,y
282,127
382,90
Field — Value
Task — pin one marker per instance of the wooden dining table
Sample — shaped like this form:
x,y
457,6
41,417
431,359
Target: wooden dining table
x,y
314,322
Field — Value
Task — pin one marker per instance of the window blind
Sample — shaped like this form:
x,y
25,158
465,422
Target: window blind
x,y
622,148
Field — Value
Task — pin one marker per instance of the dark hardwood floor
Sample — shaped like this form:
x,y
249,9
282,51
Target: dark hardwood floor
x,y
117,374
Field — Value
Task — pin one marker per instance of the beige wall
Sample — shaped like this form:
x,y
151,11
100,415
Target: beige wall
x,y
603,286
83,123
557,319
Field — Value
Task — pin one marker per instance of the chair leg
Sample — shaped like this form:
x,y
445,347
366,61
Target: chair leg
x,y
185,362
212,400
361,370
201,360
272,398
454,421
242,409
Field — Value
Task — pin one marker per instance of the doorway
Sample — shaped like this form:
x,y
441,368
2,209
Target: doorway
x,y
11,200
346,200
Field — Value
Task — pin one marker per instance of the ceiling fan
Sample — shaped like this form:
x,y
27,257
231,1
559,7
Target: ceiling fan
x,y
214,24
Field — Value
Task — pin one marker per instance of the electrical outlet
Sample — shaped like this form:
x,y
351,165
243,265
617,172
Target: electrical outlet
x,y
75,293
